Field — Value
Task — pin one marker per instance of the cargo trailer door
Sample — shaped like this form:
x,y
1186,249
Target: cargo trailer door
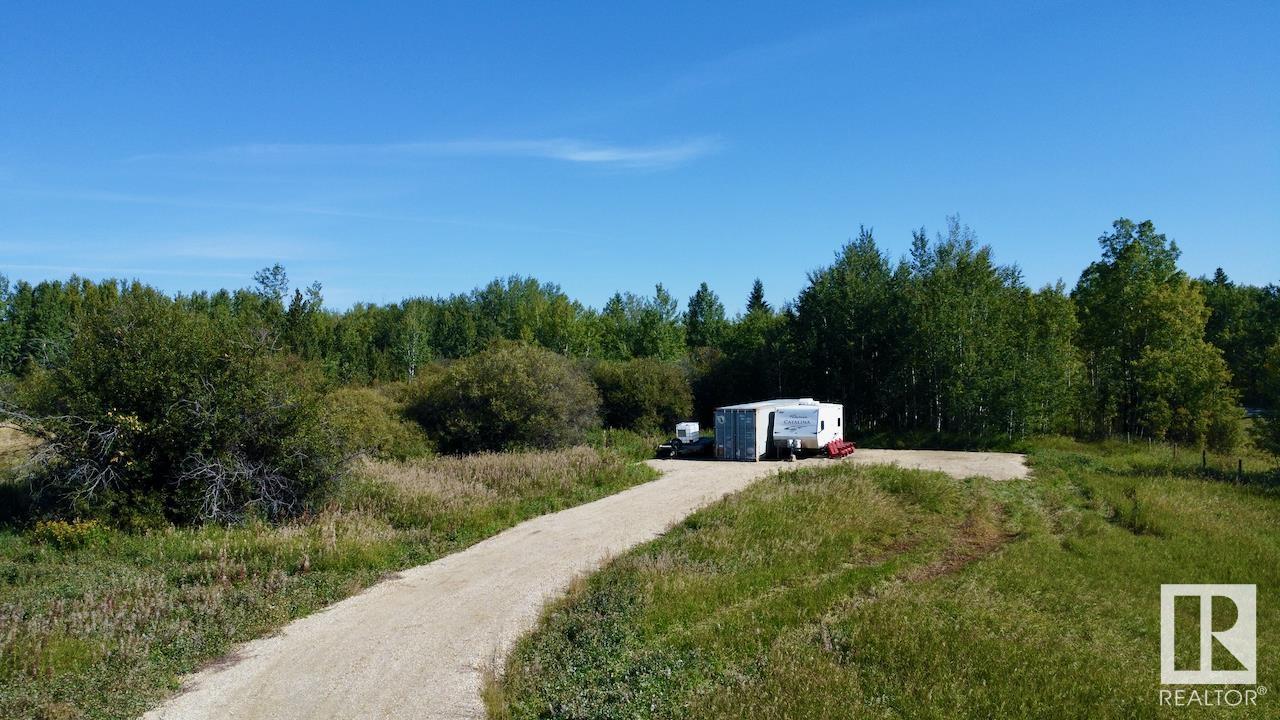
x,y
724,434
745,439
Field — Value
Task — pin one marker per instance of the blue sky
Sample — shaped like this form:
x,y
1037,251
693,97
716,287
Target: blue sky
x,y
389,151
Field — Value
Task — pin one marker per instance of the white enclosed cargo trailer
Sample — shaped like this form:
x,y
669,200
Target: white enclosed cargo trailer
x,y
745,432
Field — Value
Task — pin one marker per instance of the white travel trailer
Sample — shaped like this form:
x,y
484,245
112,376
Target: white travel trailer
x,y
748,431
806,426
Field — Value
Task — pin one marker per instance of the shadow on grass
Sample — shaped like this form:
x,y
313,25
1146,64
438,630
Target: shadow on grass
x,y
1268,478
922,440
1245,469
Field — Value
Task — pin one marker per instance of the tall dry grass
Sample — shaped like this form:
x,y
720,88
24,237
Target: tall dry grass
x,y
102,625
490,477
14,445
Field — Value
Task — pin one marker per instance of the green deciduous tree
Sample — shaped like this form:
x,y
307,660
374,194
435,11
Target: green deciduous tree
x,y
635,326
1266,429
704,320
850,332
1244,322
525,310
966,316
946,341
1048,395
1142,334
755,356
10,330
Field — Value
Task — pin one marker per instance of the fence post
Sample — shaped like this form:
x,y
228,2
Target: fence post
x,y
1239,469
1204,458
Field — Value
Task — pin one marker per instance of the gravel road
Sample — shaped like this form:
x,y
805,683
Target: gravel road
x,y
415,646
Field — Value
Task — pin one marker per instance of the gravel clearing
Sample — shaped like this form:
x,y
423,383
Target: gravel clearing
x,y
416,645
997,466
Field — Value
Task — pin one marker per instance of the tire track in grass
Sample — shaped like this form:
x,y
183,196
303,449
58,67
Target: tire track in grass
x,y
688,617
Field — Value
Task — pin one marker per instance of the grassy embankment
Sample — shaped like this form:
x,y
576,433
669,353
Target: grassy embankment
x,y
878,592
98,623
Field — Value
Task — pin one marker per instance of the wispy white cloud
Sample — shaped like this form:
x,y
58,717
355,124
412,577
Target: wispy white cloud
x,y
661,155
658,155
286,208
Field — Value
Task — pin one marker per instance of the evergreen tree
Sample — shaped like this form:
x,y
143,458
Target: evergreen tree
x,y
304,327
756,301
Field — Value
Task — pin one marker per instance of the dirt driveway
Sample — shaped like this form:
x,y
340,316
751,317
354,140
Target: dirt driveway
x,y
416,646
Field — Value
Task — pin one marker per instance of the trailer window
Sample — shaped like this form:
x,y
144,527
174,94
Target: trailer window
x,y
839,422
822,425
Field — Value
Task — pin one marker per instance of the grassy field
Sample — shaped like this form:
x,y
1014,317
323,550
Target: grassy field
x,y
97,623
877,592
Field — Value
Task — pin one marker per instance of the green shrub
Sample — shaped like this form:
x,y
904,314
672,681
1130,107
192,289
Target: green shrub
x,y
161,410
509,396
368,421
1226,430
644,394
67,535
626,443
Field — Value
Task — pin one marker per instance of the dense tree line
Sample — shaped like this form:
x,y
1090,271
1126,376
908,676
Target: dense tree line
x,y
1244,322
944,340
